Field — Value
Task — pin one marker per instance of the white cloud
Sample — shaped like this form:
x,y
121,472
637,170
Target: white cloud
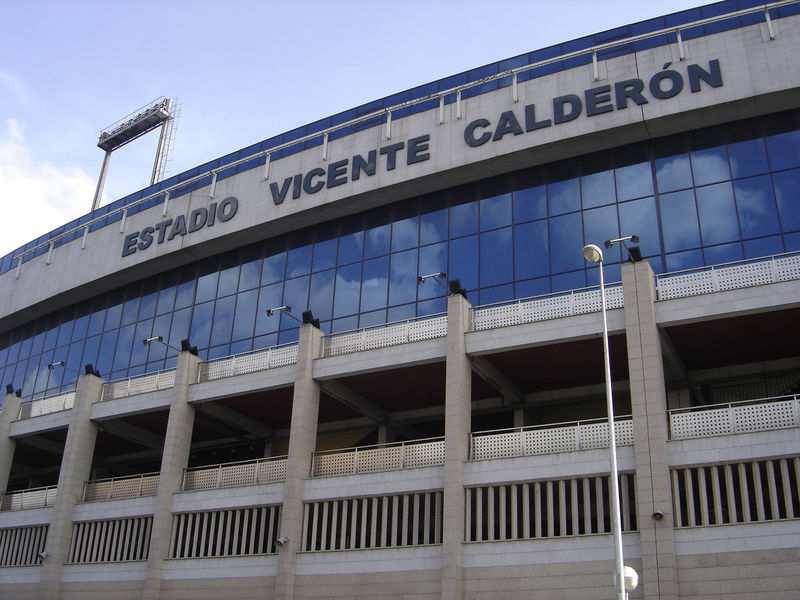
x,y
36,196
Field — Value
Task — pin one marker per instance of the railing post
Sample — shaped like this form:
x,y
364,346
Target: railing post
x,y
578,435
731,423
403,455
219,476
141,483
355,460
255,472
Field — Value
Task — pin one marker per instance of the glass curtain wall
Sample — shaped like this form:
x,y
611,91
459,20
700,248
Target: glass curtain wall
x,y
706,197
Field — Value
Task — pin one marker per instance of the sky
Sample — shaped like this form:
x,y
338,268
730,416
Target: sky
x,y
243,71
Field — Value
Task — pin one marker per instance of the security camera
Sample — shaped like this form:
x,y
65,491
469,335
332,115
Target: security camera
x,y
281,540
43,554
658,515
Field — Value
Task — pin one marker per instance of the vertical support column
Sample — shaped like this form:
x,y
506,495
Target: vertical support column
x,y
76,464
302,442
8,413
175,457
457,423
649,407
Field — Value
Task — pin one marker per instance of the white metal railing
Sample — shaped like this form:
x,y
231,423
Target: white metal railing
x,y
550,438
728,276
385,113
118,488
30,498
235,474
393,456
383,336
46,405
543,308
140,384
735,417
248,362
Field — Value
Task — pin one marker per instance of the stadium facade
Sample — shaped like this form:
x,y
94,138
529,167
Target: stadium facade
x,y
177,425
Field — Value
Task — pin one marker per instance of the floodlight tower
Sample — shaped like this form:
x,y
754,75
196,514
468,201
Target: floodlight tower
x,y
162,113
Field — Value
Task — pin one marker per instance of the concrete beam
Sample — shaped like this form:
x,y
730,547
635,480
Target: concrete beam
x,y
236,419
509,390
43,444
352,399
132,433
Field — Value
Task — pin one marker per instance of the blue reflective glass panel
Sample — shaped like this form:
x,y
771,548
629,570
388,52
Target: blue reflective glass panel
x,y
206,287
532,287
673,173
270,296
250,277
679,224
403,277
298,261
295,294
530,203
348,289
405,234
784,150
245,318
531,250
273,268
200,331
598,189
184,296
787,185
569,281
228,282
433,227
710,166
495,212
684,260
463,257
601,224
639,218
324,255
723,254
564,196
432,259
763,247
566,241
755,199
374,284
634,181
748,158
463,219
717,212
320,300
351,248
497,259
377,241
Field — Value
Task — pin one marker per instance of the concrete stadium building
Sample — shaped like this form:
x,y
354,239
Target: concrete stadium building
x,y
260,378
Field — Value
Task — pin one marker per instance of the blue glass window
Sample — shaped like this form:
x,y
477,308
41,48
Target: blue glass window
x,y
321,296
377,241
710,166
787,185
244,321
228,281
433,227
673,173
348,288
405,234
184,296
684,260
374,285
717,212
250,275
207,287
295,294
403,277
432,259
223,320
273,268
566,241
634,181
600,224
530,203
497,259
351,248
723,253
463,257
270,296
679,224
639,218
200,331
324,255
755,200
531,255
463,219
298,261
784,150
564,196
748,158
495,212
763,247
598,189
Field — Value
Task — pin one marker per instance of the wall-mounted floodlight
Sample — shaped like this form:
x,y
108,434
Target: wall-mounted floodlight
x,y
455,287
90,370
437,277
61,363
160,340
186,346
11,392
634,252
308,316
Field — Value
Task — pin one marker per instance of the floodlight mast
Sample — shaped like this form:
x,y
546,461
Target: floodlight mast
x,y
152,115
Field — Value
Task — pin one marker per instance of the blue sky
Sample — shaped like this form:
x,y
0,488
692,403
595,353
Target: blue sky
x,y
243,70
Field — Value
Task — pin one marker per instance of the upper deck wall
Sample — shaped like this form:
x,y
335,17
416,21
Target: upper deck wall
x,y
726,76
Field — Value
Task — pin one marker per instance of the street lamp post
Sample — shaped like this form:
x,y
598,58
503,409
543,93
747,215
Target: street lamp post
x,y
594,254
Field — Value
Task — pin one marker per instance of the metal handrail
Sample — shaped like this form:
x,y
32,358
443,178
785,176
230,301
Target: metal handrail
x,y
97,482
220,466
41,495
550,295
129,380
733,263
325,133
689,409
599,420
354,450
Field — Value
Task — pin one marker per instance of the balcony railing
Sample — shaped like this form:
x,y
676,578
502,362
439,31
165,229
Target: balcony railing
x,y
543,308
382,336
118,488
235,474
46,405
728,276
382,457
550,438
735,417
30,498
130,386
248,362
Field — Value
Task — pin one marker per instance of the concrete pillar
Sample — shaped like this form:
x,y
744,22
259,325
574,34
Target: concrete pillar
x,y
8,413
457,422
175,457
302,442
649,407
76,464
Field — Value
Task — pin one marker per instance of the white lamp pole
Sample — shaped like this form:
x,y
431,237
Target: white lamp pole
x,y
593,253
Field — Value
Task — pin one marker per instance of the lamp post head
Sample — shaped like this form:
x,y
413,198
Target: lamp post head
x,y
592,253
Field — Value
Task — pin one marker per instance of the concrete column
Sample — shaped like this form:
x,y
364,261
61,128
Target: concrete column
x,y
175,457
76,464
302,442
649,407
8,413
457,423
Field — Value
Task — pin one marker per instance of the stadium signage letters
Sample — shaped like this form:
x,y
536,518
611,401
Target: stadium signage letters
x,y
665,84
169,229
